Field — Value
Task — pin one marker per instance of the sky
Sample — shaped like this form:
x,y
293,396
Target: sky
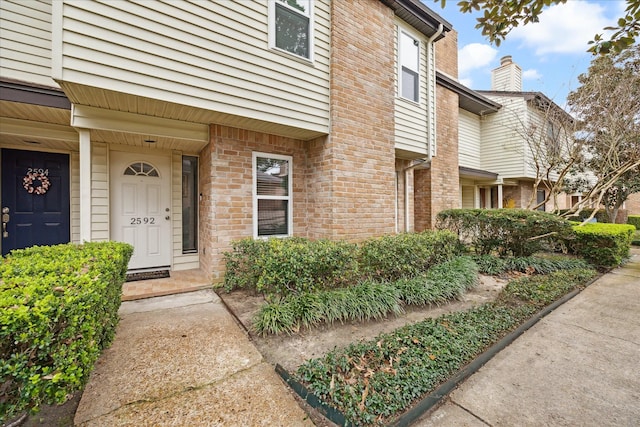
x,y
552,53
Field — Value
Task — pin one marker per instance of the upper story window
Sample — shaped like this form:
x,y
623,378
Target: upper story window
x,y
409,66
272,188
291,27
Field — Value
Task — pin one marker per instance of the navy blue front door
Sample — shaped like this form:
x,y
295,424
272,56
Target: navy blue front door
x,y
35,196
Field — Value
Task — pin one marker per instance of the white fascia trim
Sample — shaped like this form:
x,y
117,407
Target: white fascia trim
x,y
32,129
83,116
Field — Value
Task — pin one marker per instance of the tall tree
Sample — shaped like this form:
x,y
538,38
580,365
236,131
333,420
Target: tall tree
x,y
501,16
608,106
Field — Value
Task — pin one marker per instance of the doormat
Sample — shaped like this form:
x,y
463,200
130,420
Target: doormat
x,y
147,275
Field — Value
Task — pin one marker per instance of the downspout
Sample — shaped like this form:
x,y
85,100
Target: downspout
x,y
431,87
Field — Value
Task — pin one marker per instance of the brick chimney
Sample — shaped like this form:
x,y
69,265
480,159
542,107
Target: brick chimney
x,y
507,77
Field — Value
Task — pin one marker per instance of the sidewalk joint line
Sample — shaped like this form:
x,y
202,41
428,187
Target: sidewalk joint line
x,y
470,413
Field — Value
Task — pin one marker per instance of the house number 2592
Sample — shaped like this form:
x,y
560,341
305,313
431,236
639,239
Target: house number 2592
x,y
144,220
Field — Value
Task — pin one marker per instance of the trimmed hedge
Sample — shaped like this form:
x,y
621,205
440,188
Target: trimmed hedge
x,y
602,245
280,267
58,311
406,254
600,216
372,382
292,265
634,220
516,232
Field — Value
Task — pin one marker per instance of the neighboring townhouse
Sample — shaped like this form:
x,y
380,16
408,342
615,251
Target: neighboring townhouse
x,y
632,204
182,126
496,162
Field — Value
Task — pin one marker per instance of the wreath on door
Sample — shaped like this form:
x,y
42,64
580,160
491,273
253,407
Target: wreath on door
x,y
31,177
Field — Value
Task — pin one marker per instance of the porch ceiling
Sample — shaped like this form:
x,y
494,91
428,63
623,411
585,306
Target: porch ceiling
x,y
36,126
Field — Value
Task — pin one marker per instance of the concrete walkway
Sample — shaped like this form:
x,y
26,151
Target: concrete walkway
x,y
579,366
183,361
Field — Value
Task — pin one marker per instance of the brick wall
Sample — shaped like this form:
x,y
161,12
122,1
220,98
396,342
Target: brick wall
x,y
226,183
437,188
359,155
447,54
632,204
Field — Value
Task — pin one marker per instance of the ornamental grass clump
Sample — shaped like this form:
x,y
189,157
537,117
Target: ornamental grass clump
x,y
493,265
440,284
373,382
365,301
368,300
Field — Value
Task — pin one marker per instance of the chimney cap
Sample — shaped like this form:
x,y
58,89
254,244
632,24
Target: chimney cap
x,y
505,60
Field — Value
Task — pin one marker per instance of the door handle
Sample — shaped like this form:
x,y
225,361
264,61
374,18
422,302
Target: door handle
x,y
5,220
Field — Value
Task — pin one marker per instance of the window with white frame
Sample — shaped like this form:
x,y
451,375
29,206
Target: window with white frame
x,y
291,27
409,66
272,188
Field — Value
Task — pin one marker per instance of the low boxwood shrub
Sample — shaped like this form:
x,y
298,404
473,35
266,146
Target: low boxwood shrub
x,y
58,311
516,232
634,220
291,265
602,245
372,382
279,267
406,254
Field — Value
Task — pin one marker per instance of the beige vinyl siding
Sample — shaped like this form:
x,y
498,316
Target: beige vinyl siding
x,y
180,261
75,196
411,127
99,192
25,51
538,119
469,133
468,196
206,54
502,148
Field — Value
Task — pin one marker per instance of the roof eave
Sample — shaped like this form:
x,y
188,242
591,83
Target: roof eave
x,y
419,16
469,99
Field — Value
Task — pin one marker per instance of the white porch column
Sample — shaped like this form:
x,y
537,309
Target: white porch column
x,y
476,197
499,196
85,185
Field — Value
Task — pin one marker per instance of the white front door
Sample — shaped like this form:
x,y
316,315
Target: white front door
x,y
140,207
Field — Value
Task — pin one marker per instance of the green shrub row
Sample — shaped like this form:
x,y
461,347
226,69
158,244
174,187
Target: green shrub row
x,y
516,232
367,300
58,311
634,220
603,245
295,265
406,254
372,382
493,265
